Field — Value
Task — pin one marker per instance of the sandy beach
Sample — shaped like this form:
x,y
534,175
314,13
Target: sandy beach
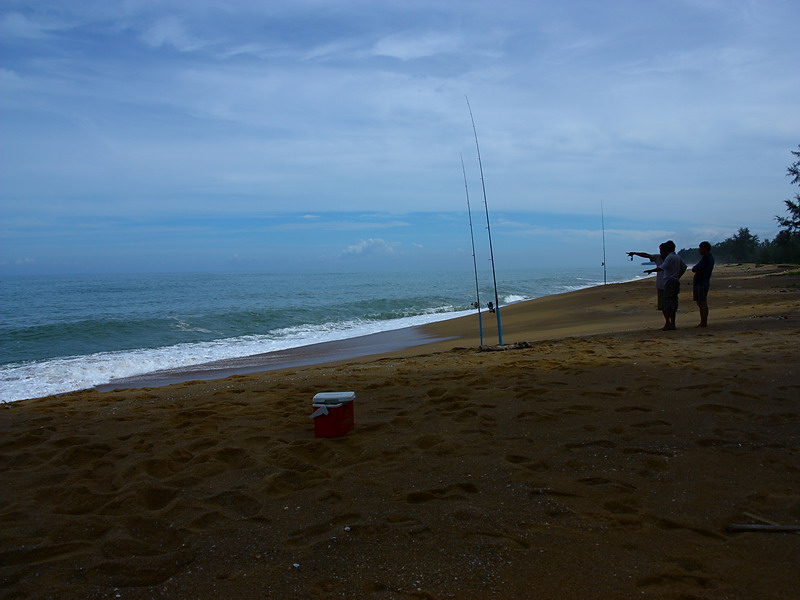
x,y
598,458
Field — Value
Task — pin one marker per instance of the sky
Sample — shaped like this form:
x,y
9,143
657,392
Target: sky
x,y
208,135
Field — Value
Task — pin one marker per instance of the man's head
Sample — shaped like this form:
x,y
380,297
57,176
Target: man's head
x,y
704,248
669,246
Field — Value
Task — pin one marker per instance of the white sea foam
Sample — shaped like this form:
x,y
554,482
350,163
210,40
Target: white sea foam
x,y
19,381
512,298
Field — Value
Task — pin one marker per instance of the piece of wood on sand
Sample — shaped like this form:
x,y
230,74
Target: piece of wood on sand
x,y
765,526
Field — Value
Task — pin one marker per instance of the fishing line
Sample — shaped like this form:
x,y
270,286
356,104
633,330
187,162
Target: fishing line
x,y
603,225
488,229
474,259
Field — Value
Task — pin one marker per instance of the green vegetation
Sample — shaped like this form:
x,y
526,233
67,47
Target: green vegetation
x,y
746,247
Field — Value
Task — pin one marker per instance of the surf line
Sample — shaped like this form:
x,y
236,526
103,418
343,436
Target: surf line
x,y
474,260
488,228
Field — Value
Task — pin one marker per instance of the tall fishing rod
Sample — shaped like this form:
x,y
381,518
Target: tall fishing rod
x,y
488,229
603,225
474,259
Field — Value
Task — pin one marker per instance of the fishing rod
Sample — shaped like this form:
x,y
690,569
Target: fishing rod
x,y
488,229
474,260
603,225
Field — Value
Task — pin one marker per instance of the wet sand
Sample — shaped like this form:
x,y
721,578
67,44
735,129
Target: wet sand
x,y
314,354
601,458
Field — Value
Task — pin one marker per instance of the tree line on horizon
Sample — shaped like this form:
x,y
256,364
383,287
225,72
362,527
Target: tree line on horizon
x,y
744,246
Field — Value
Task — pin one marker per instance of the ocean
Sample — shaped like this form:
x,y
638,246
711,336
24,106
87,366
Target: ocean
x,y
61,333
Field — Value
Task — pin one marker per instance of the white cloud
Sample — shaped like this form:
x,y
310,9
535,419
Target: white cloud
x,y
171,31
336,224
368,248
409,46
15,25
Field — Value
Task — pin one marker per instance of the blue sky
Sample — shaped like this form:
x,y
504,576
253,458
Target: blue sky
x,y
146,135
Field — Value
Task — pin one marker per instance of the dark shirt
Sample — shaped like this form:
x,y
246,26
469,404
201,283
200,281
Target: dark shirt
x,y
702,270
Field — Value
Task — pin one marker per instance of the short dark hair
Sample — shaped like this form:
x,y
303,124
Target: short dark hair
x,y
669,245
705,245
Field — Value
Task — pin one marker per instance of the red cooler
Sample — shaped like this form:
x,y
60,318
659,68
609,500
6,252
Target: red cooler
x,y
333,413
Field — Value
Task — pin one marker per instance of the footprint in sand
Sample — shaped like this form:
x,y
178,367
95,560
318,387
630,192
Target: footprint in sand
x,y
623,409
619,486
505,537
308,536
618,507
452,492
683,583
594,443
527,463
723,409
426,442
235,504
654,427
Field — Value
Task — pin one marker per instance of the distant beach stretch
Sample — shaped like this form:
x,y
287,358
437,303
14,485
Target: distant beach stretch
x,y
595,457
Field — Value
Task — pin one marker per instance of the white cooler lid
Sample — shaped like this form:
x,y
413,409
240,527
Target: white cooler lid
x,y
334,397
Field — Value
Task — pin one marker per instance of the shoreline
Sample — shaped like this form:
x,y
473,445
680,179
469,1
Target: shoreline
x,y
581,312
159,366
392,342
312,354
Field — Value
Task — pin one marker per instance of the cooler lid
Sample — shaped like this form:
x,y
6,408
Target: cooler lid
x,y
334,397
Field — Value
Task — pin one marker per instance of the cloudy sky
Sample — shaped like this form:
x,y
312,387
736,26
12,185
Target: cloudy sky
x,y
142,135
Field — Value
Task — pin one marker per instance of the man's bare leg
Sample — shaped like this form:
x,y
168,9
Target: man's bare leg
x,y
703,306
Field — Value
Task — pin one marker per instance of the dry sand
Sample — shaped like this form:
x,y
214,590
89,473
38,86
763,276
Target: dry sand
x,y
606,460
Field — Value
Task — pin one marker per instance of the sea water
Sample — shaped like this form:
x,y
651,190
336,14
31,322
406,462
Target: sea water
x,y
61,333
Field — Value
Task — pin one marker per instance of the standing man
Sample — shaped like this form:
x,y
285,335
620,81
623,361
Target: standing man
x,y
671,270
657,259
701,281
667,292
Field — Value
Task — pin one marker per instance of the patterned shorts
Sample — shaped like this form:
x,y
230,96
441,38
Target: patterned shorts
x,y
700,293
672,288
